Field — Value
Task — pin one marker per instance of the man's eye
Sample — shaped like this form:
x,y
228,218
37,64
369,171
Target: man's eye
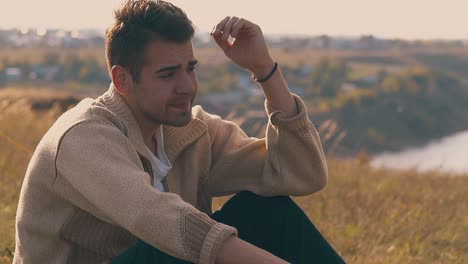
x,y
192,68
167,75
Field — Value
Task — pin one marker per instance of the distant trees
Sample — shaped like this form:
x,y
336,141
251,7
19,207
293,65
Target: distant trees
x,y
51,59
72,65
385,108
327,77
414,81
54,66
91,71
85,69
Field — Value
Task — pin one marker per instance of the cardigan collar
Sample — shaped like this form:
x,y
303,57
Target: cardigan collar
x,y
176,139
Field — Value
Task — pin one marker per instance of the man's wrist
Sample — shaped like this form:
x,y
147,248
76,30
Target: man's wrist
x,y
266,78
263,70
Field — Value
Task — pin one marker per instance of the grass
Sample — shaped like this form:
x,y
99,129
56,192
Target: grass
x,y
384,216
20,131
369,215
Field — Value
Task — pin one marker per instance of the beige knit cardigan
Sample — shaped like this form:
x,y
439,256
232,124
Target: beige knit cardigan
x,y
88,195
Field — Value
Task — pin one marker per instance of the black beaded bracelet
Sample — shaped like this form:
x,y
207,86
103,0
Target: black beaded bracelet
x,y
269,75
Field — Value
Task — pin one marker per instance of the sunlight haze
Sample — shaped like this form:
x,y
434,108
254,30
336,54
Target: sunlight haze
x,y
430,19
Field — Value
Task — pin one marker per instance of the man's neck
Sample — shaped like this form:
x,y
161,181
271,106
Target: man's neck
x,y
148,128
149,136
153,146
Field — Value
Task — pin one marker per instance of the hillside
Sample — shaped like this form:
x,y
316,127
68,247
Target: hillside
x,y
370,216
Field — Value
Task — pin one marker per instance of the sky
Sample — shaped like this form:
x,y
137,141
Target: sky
x,y
408,19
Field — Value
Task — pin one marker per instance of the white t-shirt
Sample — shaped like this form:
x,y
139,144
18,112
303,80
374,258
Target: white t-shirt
x,y
161,164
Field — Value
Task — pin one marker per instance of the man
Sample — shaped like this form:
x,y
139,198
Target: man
x,y
129,177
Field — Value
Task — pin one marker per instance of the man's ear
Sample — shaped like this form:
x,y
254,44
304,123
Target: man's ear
x,y
122,79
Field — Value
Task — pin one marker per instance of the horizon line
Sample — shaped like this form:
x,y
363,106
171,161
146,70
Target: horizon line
x,y
199,32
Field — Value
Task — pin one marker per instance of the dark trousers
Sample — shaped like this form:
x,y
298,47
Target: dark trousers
x,y
275,224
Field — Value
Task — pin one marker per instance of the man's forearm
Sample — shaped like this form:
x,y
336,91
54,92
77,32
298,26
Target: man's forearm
x,y
276,90
236,251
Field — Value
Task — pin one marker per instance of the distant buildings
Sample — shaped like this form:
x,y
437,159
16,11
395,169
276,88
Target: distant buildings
x,y
13,74
32,38
95,38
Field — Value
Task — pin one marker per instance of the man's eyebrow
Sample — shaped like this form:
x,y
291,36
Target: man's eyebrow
x,y
175,67
169,68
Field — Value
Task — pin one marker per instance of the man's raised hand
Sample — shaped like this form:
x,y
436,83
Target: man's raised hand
x,y
248,49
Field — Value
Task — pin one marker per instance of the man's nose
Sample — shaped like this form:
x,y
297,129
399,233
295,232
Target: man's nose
x,y
186,84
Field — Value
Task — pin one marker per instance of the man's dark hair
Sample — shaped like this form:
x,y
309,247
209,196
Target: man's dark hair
x,y
139,22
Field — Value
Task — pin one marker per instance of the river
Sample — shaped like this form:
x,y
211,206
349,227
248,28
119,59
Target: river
x,y
449,154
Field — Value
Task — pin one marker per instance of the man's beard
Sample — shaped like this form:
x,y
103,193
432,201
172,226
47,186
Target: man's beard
x,y
185,117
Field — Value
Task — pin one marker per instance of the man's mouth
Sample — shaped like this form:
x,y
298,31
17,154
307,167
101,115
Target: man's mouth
x,y
181,107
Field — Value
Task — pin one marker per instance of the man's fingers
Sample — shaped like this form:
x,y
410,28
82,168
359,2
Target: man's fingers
x,y
224,44
236,27
219,27
222,31
232,26
217,35
228,26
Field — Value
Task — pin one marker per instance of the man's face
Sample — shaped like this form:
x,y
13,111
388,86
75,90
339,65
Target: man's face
x,y
167,85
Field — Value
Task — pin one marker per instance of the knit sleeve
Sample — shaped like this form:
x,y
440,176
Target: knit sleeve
x,y
105,173
288,161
